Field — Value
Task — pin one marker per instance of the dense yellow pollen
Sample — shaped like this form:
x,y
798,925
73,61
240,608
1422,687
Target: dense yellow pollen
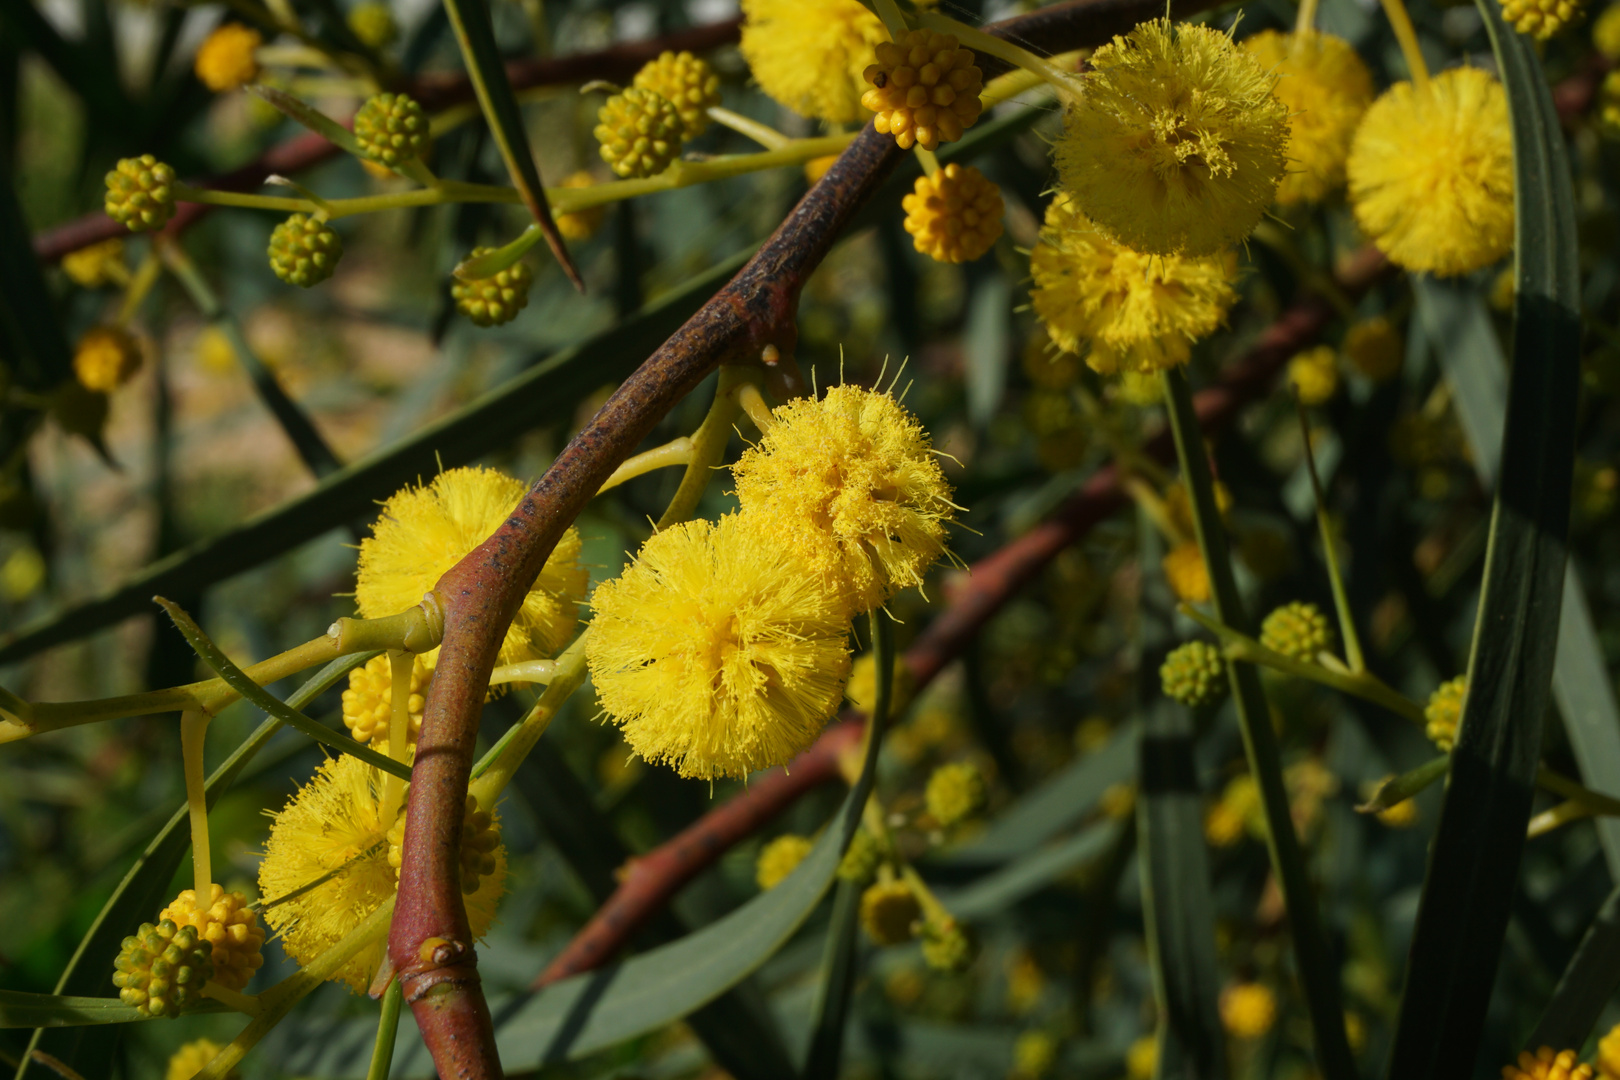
x,y
810,55
1326,88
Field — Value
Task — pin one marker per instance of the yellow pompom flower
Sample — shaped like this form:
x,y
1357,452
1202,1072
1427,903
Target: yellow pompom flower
x,y
1184,569
230,926
1443,713
225,58
161,970
1248,1009
851,482
424,531
1123,310
953,216
925,89
1606,32
367,703
1326,88
581,224
1375,349
1608,1049
716,651
1541,19
1297,630
889,912
1175,143
779,858
955,793
1314,374
1546,1064
190,1059
107,357
334,826
1431,174
686,82
811,55
481,853
97,265
640,133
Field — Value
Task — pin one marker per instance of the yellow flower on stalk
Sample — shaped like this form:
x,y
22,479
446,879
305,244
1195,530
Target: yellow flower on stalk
x,y
1442,714
1121,309
424,531
1547,1064
225,59
851,482
779,858
925,89
716,651
1326,88
230,926
107,357
953,216
191,1058
1314,374
1175,143
1248,1009
810,55
1431,174
1542,19
1298,630
1184,569
686,82
97,265
334,826
368,701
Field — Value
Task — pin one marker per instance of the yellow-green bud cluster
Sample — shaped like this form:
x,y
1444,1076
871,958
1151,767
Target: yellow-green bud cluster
x,y
140,193
496,299
686,82
1541,19
862,859
640,132
1194,674
304,251
1297,630
373,23
161,969
955,793
889,909
925,89
1443,713
946,946
392,128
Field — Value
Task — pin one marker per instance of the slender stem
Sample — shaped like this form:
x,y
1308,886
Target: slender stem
x,y
139,285
193,730
1560,815
1153,505
495,771
764,134
708,445
979,41
529,671
753,403
1305,23
382,1052
400,667
677,451
292,56
894,20
930,163
242,1003
1020,80
1559,784
1330,551
1401,23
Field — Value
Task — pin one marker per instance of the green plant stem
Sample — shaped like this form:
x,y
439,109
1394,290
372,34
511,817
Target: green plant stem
x,y
193,732
1575,791
1401,23
708,444
979,41
528,671
499,765
764,134
677,451
246,1004
146,275
382,1052
400,667
1330,552
1318,976
894,20
1397,789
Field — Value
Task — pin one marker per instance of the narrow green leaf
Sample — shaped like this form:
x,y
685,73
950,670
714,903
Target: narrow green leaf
x,y
1397,789
833,989
491,263
298,109
1588,982
995,892
20,1010
1473,864
1318,975
487,70
382,1053
238,680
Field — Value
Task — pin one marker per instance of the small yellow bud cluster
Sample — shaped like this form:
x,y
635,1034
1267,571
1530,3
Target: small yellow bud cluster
x,y
640,132
1314,375
392,129
955,215
480,844
1194,674
304,251
140,193
925,89
373,23
955,793
862,858
1186,572
229,926
687,83
1373,348
366,703
161,969
1546,1064
225,59
779,858
1443,713
98,264
946,946
1248,1009
1541,19
106,358
889,912
1297,630
496,299
191,1058
581,224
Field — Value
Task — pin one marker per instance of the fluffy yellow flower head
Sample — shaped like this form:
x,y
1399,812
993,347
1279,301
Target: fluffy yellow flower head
x,y
335,824
1184,569
107,357
1248,1009
779,858
1546,1064
1176,142
225,58
811,55
1124,310
189,1060
1314,374
1326,88
716,651
1608,1049
96,265
851,482
1431,174
424,531
230,926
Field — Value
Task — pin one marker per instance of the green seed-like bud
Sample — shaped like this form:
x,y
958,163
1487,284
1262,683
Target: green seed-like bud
x,y
304,251
640,132
1297,630
955,793
392,128
1194,674
161,969
140,193
496,299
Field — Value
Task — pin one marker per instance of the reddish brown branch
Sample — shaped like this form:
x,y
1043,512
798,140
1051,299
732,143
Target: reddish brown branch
x,y
653,880
435,90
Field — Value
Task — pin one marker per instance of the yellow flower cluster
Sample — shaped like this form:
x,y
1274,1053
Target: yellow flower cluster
x,y
687,83
106,358
1541,19
230,926
1442,714
367,701
889,912
925,89
189,1060
481,854
955,793
1297,630
1326,89
96,265
1314,374
779,858
811,55
953,216
1547,1064
1248,1009
225,59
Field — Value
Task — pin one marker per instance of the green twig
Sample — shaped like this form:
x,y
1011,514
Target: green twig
x,y
1341,598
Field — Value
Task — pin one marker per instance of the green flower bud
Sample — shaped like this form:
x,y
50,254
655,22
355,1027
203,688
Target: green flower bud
x,y
496,299
1194,674
1297,630
640,132
161,969
140,193
392,128
304,251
